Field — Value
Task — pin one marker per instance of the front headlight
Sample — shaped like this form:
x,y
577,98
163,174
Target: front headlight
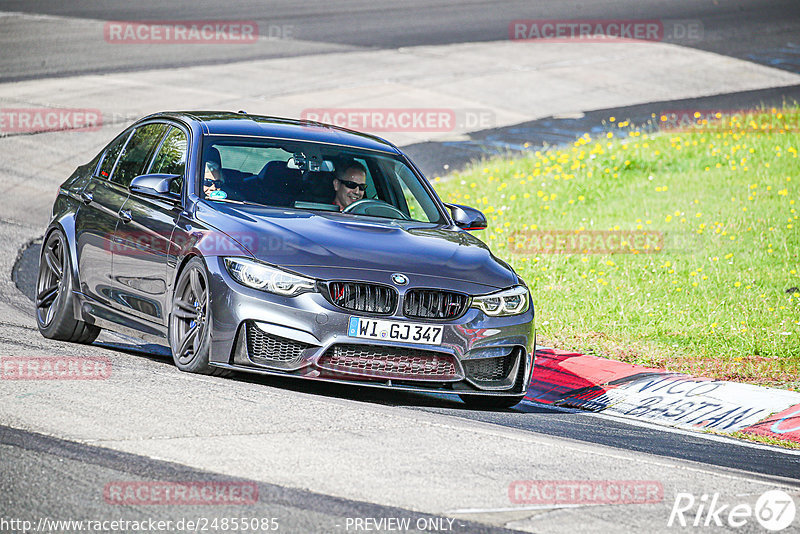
x,y
260,276
507,302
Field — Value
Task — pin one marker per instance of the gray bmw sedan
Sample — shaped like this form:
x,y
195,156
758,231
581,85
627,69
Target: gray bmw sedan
x,y
284,247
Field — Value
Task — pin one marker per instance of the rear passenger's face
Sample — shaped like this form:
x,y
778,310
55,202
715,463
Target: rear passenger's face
x,y
346,195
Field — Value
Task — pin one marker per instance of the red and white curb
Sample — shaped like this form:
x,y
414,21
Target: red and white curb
x,y
596,384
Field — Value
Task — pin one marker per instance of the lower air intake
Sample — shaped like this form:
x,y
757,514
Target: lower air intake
x,y
489,369
263,347
390,362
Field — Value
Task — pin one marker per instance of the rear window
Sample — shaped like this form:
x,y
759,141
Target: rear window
x,y
111,154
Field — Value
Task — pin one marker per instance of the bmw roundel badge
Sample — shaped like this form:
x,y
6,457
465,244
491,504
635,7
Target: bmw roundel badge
x,y
399,279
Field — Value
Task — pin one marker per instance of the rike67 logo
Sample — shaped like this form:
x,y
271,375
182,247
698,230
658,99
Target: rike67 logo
x,y
774,511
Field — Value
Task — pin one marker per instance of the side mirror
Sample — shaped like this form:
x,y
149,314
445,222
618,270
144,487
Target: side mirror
x,y
155,186
467,218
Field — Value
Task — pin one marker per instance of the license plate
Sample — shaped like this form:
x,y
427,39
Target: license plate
x,y
429,334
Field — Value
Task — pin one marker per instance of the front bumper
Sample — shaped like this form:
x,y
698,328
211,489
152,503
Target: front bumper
x,y
306,336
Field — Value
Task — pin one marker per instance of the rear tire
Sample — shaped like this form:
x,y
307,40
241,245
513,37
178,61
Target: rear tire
x,y
490,403
190,321
54,298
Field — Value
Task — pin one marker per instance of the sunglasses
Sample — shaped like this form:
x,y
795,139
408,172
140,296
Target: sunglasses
x,y
353,185
209,183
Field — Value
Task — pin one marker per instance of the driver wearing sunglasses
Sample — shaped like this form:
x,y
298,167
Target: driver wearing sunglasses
x,y
350,185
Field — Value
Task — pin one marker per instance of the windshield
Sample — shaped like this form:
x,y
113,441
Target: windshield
x,y
312,176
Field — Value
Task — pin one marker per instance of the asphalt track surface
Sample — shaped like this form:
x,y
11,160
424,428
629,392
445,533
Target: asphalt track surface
x,y
438,158
35,467
24,455
66,43
558,422
768,33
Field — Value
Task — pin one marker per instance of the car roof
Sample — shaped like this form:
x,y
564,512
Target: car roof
x,y
245,124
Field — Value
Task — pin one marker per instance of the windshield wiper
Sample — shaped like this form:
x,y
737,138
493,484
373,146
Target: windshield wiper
x,y
233,201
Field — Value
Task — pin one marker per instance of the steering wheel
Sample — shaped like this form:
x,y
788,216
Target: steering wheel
x,y
373,206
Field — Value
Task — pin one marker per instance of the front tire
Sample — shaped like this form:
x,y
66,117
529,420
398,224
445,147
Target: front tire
x,y
54,298
190,321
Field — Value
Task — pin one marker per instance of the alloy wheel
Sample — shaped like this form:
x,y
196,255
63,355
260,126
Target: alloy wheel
x,y
190,315
50,285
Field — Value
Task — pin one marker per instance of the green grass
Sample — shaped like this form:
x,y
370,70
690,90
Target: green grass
x,y
757,438
712,300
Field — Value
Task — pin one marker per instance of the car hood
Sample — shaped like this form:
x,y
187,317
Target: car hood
x,y
342,246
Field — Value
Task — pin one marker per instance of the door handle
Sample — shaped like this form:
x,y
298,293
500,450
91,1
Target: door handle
x,y
86,197
125,216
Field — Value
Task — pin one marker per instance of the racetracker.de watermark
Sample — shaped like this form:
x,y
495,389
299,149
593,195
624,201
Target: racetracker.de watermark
x,y
719,120
604,30
586,242
55,368
403,119
35,120
172,493
138,243
192,32
559,492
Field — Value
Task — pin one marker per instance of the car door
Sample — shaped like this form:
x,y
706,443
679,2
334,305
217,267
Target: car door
x,y
95,222
142,240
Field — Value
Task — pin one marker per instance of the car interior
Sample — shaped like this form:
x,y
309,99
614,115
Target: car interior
x,y
302,177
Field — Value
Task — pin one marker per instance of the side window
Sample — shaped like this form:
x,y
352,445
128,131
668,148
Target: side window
x,y
137,153
110,155
415,211
415,202
370,192
171,158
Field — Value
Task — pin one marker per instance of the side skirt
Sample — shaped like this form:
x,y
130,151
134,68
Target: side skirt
x,y
97,314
